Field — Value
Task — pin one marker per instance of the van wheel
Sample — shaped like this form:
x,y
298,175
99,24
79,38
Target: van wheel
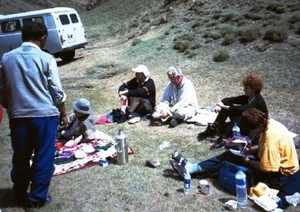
x,y
67,56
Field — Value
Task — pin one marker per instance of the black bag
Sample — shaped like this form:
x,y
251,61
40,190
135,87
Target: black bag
x,y
226,176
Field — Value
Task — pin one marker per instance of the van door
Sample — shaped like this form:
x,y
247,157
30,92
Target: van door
x,y
71,30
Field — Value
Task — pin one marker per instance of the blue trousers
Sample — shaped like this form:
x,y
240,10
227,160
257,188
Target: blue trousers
x,y
33,136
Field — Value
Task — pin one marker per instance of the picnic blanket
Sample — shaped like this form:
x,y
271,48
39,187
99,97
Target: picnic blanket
x,y
203,117
103,146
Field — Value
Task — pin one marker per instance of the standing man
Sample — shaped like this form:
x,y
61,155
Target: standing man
x,y
137,95
179,101
32,94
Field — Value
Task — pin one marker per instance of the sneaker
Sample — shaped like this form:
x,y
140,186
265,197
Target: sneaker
x,y
134,120
173,123
293,199
218,144
178,158
178,167
209,132
122,119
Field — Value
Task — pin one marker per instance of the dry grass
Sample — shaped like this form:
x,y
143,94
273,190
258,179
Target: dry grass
x,y
99,69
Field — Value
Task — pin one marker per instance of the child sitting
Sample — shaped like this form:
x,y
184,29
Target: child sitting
x,y
80,123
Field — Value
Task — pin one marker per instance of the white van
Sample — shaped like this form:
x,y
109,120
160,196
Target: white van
x,y
65,31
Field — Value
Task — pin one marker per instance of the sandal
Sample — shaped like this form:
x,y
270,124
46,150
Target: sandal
x,y
178,167
178,158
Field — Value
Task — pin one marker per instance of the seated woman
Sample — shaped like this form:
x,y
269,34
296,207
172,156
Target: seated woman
x,y
276,160
232,108
80,123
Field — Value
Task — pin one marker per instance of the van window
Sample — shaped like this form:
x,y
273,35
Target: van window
x,y
74,18
64,19
37,19
10,26
50,21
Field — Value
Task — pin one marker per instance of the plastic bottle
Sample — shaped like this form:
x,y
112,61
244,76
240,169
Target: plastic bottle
x,y
187,183
236,132
241,188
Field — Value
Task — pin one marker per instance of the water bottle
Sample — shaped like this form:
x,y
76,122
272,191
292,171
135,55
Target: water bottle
x,y
241,188
187,183
236,132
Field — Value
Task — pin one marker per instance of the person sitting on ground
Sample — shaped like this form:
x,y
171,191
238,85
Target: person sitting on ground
x,y
137,95
179,101
80,123
276,161
233,107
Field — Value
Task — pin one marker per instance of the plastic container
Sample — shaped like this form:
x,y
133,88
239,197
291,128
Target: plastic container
x,y
241,188
236,131
187,183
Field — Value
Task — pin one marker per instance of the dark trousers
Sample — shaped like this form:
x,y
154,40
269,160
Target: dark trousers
x,y
33,136
225,129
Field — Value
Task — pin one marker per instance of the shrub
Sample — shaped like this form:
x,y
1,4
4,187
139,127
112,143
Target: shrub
x,y
195,45
183,42
229,35
229,39
249,33
221,56
189,37
241,22
254,16
276,7
228,17
135,42
197,24
212,23
277,32
294,18
293,7
181,45
214,34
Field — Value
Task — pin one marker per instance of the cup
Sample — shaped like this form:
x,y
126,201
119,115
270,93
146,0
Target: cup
x,y
204,187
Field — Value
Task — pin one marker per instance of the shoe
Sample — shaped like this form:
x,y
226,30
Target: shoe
x,y
173,123
122,119
29,204
155,122
209,132
293,199
218,144
176,156
134,120
178,167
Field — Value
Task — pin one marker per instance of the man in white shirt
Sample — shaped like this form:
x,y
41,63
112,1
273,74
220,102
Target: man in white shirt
x,y
179,101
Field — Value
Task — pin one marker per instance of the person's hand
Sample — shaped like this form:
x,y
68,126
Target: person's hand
x,y
63,122
123,93
217,109
220,104
246,160
164,115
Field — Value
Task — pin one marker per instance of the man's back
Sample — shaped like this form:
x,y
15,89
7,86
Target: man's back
x,y
26,75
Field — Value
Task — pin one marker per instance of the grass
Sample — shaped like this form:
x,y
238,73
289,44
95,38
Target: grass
x,y
124,34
